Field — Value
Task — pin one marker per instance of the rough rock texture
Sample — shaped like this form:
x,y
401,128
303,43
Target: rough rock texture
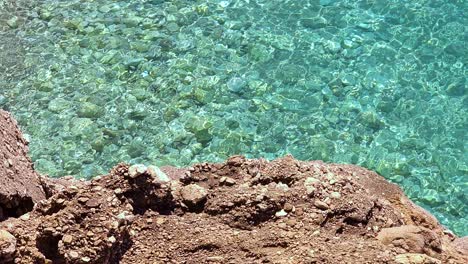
x,y
20,185
240,211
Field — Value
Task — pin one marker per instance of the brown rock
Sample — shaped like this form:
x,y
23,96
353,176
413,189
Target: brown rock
x,y
73,254
93,203
193,195
67,239
227,181
288,207
20,186
415,258
83,199
236,161
411,238
215,259
461,245
7,246
321,205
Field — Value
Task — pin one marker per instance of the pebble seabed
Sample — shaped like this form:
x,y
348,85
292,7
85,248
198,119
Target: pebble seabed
x,y
381,84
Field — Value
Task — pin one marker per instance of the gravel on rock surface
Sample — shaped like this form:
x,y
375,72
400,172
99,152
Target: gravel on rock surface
x,y
20,185
268,216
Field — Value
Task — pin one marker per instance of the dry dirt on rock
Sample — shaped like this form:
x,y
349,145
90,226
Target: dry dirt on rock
x,y
241,211
20,185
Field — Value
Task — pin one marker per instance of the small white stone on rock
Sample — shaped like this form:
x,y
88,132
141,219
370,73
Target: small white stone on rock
x,y
111,239
310,184
157,174
25,217
73,254
283,187
136,170
123,215
281,213
67,239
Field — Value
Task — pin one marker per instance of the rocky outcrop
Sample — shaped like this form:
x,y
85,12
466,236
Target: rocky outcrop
x,y
240,211
20,185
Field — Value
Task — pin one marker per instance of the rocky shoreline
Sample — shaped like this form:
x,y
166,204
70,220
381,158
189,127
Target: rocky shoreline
x,y
240,211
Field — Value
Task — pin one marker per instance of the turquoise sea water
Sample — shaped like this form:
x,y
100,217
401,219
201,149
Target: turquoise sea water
x,y
381,84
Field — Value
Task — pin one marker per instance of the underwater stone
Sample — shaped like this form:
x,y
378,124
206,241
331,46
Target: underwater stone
x,y
45,165
348,79
90,110
2,100
140,93
260,53
313,23
45,87
98,144
12,22
104,9
371,119
456,48
138,114
333,46
45,14
347,43
290,73
132,21
326,2
134,62
457,88
173,27
58,105
170,114
203,135
166,44
201,128
140,46
203,96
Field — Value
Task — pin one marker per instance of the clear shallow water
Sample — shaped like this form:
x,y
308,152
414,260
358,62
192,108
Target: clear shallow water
x,y
380,84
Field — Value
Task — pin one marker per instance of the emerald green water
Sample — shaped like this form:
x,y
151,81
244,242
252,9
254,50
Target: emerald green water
x,y
381,84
